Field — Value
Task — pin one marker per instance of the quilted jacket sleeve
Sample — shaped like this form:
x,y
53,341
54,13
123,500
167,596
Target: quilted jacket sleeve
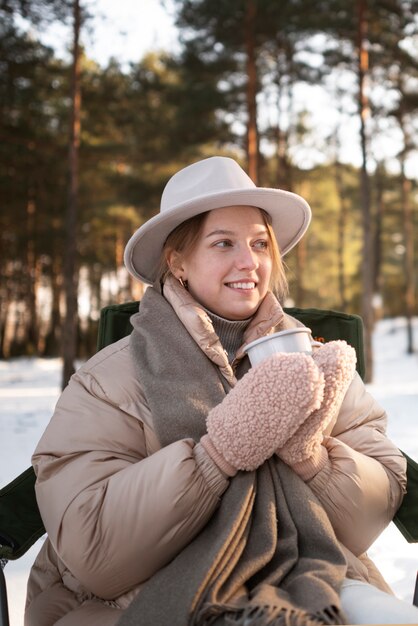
x,y
116,511
364,479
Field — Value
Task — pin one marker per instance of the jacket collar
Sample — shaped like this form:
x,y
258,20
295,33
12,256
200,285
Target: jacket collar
x,y
268,316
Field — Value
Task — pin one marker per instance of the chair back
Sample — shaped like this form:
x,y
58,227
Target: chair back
x,y
326,325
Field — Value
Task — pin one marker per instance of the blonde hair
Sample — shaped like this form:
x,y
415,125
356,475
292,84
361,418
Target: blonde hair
x,y
183,239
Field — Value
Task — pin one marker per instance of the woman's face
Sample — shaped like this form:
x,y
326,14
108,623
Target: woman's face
x,y
229,269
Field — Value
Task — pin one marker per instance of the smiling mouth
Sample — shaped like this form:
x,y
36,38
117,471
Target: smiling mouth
x,y
241,285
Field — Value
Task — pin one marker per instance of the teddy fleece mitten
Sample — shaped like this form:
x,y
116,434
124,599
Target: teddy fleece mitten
x,y
304,451
262,411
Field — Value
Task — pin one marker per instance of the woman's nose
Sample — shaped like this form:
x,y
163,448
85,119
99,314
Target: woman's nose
x,y
246,258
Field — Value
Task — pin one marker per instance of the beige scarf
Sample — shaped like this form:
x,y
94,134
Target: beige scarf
x,y
268,556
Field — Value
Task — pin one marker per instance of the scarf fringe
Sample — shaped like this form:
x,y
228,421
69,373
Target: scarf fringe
x,y
274,616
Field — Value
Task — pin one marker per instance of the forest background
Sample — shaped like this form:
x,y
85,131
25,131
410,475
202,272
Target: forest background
x,y
85,151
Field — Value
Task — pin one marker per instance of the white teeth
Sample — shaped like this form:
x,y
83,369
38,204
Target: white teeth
x,y
242,285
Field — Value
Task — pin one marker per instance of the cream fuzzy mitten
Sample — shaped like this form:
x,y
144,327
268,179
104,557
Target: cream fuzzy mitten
x,y
303,451
262,411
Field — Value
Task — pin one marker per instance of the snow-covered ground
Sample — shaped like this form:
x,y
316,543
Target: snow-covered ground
x,y
29,389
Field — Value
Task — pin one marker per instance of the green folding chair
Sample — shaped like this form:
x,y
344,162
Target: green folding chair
x,y
20,521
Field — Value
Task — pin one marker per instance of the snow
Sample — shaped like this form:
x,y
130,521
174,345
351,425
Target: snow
x,y
29,388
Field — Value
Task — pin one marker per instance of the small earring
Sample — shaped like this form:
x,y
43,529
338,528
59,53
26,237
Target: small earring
x,y
183,283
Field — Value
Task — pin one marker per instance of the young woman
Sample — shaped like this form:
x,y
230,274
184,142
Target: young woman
x,y
180,486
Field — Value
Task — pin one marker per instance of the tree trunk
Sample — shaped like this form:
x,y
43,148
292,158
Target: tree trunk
x,y
4,316
69,334
285,169
301,254
300,270
408,229
408,222
252,130
377,254
367,260
53,336
341,237
339,183
32,333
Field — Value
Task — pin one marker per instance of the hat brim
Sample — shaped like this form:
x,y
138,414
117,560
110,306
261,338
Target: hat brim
x,y
290,215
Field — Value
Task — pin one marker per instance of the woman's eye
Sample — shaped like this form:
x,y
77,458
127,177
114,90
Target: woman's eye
x,y
225,243
262,244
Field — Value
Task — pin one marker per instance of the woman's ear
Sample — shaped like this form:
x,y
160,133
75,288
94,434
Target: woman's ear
x,y
175,264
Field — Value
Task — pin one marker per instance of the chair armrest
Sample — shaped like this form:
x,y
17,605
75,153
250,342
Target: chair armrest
x,y
20,521
406,518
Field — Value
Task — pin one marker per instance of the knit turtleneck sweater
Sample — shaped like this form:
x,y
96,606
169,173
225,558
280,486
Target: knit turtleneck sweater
x,y
230,332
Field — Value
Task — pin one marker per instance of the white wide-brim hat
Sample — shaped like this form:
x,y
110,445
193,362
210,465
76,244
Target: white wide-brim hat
x,y
209,184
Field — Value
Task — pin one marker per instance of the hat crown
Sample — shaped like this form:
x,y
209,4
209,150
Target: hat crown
x,y
213,175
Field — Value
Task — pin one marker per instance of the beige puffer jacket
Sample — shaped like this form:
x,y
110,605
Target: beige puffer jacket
x,y
117,506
